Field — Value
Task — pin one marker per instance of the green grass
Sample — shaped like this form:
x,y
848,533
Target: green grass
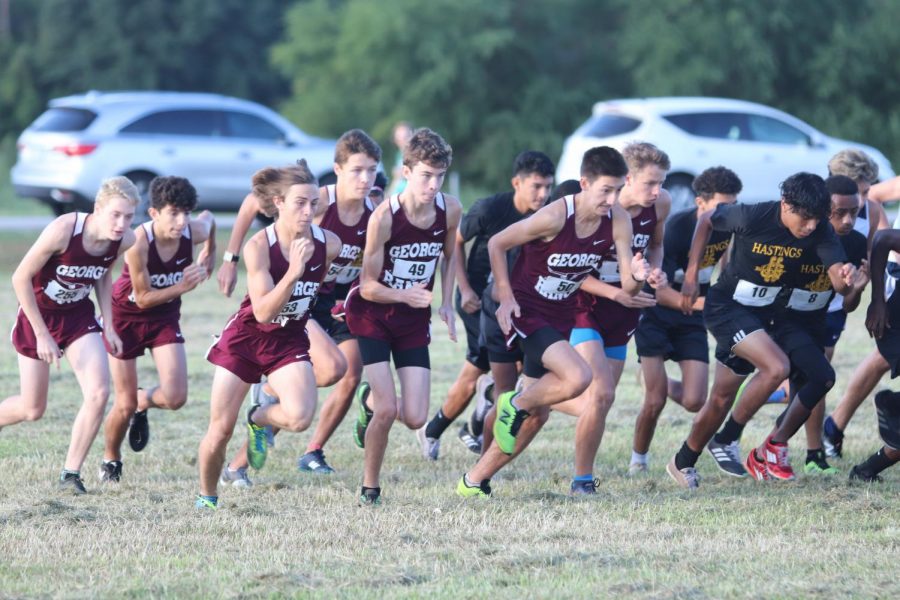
x,y
295,535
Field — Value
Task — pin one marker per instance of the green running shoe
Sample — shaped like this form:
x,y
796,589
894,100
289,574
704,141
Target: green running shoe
x,y
370,497
365,415
206,504
817,465
508,421
257,443
482,490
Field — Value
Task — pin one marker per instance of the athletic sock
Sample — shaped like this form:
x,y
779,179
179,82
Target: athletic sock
x,y
370,492
876,463
582,478
468,482
313,447
250,414
437,425
638,459
731,432
816,456
69,472
686,457
214,500
831,428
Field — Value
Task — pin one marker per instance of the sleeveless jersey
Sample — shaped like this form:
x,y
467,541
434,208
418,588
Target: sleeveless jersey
x,y
163,274
642,227
346,267
65,282
547,274
291,319
410,256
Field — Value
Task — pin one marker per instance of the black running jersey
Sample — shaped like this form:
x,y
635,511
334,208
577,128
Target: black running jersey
x,y
769,266
677,246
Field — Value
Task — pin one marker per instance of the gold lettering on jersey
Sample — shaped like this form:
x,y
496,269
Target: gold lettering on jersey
x,y
812,269
822,282
773,250
711,255
773,270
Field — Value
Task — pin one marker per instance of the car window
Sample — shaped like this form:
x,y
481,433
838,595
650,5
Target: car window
x,y
720,125
178,122
64,119
773,131
243,125
608,125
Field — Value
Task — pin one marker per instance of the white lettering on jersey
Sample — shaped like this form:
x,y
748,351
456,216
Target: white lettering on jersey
x,y
81,272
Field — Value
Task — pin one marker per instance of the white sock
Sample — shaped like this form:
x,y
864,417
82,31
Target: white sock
x,y
638,458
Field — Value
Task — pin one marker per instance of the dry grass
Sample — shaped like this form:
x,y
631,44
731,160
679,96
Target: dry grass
x,y
295,535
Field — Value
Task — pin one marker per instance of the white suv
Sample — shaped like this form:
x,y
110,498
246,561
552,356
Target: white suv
x,y
761,144
217,142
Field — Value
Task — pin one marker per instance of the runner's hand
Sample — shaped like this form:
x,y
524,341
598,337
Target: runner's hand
x,y
115,342
640,268
298,255
505,311
192,276
469,301
848,274
207,258
418,296
876,319
47,350
640,300
657,278
449,317
227,278
689,293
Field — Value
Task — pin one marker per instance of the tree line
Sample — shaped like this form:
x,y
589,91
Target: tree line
x,y
492,77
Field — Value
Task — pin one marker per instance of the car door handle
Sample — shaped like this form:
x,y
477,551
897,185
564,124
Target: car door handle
x,y
169,151
245,154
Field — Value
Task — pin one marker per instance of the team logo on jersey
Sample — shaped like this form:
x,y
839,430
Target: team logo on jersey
x,y
713,252
773,270
821,284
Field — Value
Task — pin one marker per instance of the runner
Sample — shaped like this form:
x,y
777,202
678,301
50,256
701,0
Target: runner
x,y
72,256
286,263
561,245
860,167
664,332
146,309
775,245
390,310
883,323
608,316
532,181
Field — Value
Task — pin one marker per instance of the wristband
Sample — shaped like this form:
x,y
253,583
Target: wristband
x,y
638,280
231,257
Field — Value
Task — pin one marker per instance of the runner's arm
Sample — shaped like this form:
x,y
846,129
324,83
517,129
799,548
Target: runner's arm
x,y
689,289
227,276
448,266
885,242
203,231
266,297
103,292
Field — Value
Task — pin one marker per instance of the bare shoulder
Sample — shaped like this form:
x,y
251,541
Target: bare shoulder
x,y
454,210
128,240
56,235
333,244
663,205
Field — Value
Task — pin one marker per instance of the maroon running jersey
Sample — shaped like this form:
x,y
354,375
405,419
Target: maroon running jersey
x,y
66,280
616,323
291,319
547,275
411,256
163,274
346,267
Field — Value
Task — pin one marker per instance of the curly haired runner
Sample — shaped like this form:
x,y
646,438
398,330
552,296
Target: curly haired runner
x,y
776,246
146,309
72,256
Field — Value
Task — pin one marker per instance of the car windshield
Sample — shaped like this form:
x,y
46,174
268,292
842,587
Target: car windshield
x,y
64,119
608,125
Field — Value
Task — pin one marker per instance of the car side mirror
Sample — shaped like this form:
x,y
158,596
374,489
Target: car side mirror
x,y
817,142
286,142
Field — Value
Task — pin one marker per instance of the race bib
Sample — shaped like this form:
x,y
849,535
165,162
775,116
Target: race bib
x,y
67,295
414,270
750,294
609,271
556,288
342,273
805,300
294,310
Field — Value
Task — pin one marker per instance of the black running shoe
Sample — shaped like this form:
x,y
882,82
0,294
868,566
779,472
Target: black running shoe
x,y
887,406
71,483
832,438
860,475
139,431
584,488
110,471
370,497
466,437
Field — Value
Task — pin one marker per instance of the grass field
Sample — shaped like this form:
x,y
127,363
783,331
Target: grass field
x,y
295,535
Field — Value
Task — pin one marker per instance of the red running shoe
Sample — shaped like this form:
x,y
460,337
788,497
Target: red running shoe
x,y
777,463
756,467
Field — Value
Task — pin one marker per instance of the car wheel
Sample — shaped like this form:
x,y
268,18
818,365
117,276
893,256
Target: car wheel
x,y
141,180
679,186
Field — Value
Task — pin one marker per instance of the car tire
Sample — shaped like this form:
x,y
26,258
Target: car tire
x,y
141,180
679,187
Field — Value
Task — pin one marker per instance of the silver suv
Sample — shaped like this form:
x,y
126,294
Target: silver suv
x,y
217,142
